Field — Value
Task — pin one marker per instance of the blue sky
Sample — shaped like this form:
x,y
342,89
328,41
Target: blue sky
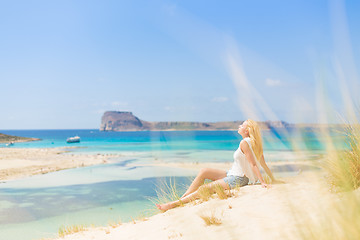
x,y
63,63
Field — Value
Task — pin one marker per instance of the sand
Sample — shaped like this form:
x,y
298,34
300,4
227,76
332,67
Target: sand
x,y
18,163
252,213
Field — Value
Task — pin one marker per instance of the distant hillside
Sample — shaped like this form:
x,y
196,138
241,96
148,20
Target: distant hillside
x,y
126,121
8,138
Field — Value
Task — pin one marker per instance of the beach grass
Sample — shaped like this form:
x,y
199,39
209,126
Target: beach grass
x,y
343,167
204,193
211,219
166,192
115,224
341,220
221,192
66,230
142,217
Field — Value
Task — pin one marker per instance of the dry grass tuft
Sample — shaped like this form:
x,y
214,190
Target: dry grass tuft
x,y
140,218
221,192
342,219
211,219
166,192
175,235
343,167
63,231
115,224
204,193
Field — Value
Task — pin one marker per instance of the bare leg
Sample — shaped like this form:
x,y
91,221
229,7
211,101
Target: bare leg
x,y
205,173
192,196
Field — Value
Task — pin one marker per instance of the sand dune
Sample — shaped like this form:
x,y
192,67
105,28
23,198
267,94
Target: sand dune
x,y
253,213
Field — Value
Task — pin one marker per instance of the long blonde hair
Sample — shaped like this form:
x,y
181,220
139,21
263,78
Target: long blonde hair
x,y
255,136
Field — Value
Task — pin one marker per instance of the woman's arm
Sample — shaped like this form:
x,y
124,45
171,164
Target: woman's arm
x,y
268,171
266,168
251,158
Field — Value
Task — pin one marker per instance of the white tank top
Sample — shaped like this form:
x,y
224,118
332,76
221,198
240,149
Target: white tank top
x,y
241,166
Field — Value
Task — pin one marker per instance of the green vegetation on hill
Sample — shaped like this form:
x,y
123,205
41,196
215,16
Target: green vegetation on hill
x,y
8,138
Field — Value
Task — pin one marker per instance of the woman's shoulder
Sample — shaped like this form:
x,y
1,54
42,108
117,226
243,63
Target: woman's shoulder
x,y
245,144
247,139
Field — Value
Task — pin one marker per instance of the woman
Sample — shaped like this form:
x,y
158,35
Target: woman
x,y
244,171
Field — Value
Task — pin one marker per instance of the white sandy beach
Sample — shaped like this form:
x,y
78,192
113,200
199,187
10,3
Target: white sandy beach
x,y
253,213
22,162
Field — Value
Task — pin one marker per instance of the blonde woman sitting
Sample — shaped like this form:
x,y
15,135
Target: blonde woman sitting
x,y
244,170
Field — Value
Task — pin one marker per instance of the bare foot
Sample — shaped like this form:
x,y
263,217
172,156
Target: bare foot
x,y
164,207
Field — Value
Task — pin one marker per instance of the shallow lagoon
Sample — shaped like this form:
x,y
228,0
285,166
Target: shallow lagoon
x,y
37,206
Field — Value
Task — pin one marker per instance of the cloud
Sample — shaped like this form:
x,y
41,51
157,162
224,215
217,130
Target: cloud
x,y
119,104
220,99
272,82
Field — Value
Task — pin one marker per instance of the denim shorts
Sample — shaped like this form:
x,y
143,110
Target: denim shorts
x,y
236,181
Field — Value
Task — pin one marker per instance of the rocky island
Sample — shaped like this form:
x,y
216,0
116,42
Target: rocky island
x,y
126,121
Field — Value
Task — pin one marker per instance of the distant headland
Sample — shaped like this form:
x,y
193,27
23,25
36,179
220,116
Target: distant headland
x,y
4,138
126,121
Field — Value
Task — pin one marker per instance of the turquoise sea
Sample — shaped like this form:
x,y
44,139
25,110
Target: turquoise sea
x,y
36,207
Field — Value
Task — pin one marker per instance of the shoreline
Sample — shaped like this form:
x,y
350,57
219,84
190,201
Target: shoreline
x,y
18,163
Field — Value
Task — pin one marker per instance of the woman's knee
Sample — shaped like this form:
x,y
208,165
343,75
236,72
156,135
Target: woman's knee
x,y
212,174
204,172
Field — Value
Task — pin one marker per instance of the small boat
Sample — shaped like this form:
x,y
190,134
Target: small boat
x,y
10,144
75,139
